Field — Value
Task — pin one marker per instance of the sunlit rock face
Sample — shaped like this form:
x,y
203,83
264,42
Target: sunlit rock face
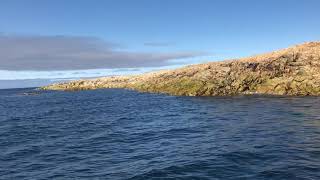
x,y
291,71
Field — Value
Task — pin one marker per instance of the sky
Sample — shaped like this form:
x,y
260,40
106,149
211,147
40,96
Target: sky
x,y
43,41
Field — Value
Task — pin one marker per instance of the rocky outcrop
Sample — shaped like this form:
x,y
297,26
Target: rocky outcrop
x,y
291,71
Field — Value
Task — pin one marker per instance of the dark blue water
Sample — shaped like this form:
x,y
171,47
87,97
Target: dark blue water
x,y
121,134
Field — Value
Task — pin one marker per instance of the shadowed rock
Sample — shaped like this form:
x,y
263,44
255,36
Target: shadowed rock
x,y
291,71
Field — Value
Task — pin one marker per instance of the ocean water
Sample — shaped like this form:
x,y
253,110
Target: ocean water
x,y
121,134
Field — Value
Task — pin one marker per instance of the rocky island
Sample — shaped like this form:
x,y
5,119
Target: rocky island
x,y
291,71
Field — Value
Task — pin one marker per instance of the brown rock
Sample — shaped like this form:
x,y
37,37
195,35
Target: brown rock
x,y
291,71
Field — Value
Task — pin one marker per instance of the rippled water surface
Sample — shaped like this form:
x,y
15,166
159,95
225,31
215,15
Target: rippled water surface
x,y
121,134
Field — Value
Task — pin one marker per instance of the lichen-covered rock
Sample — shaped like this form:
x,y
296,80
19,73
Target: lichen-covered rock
x,y
291,71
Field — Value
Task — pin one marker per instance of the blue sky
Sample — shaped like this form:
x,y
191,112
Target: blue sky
x,y
144,33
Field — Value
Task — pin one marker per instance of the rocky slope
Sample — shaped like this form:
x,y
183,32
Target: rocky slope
x,y
291,71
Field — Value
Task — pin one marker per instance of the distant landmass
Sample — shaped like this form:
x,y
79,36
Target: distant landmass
x,y
291,71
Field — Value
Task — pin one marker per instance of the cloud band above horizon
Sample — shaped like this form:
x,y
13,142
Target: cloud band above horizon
x,y
51,53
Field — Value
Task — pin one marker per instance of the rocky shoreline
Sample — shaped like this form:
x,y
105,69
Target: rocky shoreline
x,y
292,71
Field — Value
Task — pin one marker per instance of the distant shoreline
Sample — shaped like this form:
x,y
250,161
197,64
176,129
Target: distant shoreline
x,y
292,71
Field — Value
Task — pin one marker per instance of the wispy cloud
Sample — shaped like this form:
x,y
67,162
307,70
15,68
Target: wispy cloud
x,y
159,44
76,74
49,53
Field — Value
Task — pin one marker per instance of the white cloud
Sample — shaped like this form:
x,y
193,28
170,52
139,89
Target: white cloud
x,y
75,74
